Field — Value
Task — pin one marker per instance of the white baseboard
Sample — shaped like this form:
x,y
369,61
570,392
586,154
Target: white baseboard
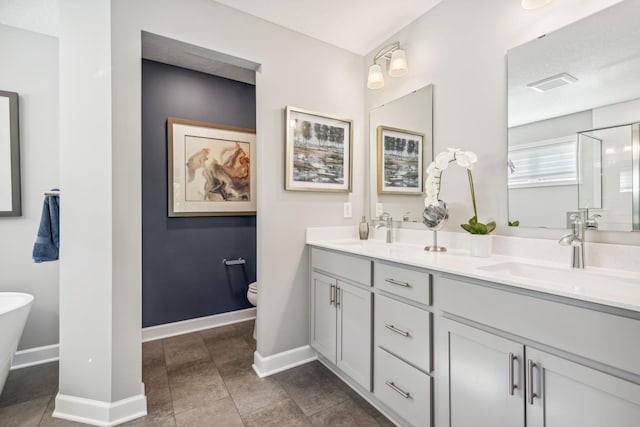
x,y
153,333
269,365
35,356
51,353
99,413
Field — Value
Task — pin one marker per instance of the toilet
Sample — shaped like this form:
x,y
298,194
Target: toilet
x,y
252,296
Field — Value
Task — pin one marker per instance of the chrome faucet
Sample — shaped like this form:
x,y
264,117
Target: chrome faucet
x,y
592,222
388,222
575,239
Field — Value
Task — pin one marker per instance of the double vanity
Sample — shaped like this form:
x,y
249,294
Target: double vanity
x,y
452,340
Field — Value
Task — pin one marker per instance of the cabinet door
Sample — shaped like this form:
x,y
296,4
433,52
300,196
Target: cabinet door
x,y
569,394
354,333
323,315
485,381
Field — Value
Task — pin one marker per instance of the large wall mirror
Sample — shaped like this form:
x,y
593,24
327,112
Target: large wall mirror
x,y
401,147
9,155
574,124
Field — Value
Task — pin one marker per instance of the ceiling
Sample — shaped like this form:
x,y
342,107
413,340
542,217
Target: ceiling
x,y
355,25
602,51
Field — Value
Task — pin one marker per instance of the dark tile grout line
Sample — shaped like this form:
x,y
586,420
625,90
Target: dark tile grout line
x,y
166,370
235,405
44,413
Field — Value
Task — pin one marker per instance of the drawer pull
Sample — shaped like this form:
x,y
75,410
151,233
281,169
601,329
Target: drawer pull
x,y
332,295
531,394
398,283
398,390
397,330
512,386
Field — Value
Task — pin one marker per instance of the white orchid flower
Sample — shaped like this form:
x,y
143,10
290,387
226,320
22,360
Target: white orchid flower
x,y
443,159
430,201
432,169
466,159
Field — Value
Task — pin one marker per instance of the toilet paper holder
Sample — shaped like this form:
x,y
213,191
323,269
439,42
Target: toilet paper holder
x,y
240,260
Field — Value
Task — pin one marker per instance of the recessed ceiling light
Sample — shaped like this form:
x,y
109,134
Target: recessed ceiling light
x,y
552,82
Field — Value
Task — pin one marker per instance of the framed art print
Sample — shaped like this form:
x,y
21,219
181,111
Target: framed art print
x,y
318,155
211,169
400,164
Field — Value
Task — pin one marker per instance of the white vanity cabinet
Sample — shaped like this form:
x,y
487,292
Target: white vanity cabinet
x,y
484,377
402,339
493,372
341,313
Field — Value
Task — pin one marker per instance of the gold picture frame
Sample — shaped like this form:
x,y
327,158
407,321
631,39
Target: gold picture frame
x,y
400,161
319,151
211,169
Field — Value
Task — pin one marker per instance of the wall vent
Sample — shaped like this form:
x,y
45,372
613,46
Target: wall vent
x,y
552,82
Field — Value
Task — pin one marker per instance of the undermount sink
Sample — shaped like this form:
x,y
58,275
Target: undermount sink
x,y
576,281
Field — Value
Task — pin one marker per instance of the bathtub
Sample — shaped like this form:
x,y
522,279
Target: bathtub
x,y
14,309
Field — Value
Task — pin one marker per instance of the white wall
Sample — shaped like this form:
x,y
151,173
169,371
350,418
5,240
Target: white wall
x,y
30,68
460,47
297,71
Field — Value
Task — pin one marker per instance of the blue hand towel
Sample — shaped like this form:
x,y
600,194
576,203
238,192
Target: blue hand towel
x,y
48,240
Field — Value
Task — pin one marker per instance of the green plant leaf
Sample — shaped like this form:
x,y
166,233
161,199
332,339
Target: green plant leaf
x,y
481,228
514,223
491,226
467,227
473,220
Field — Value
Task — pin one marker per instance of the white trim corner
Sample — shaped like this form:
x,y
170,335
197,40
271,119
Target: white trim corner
x,y
99,413
269,365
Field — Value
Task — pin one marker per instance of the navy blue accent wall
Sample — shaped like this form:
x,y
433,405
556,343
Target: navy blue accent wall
x,y
183,276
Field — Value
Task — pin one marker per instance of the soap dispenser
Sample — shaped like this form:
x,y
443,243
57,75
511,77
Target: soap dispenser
x,y
363,229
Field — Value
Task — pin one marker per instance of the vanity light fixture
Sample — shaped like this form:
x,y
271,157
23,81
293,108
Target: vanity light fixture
x,y
534,4
396,60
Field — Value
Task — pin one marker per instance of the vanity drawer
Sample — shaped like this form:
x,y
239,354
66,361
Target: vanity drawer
x,y
403,388
403,330
405,281
341,265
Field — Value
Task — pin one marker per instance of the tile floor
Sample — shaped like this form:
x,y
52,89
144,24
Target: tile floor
x,y
205,379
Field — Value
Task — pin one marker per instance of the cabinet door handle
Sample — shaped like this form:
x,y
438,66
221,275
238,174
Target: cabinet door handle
x,y
512,386
397,330
337,296
398,390
397,283
530,393
332,295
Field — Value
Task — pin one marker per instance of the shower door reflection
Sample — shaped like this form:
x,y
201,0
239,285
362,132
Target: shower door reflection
x,y
608,186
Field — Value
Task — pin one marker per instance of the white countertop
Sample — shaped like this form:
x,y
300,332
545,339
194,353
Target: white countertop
x,y
616,288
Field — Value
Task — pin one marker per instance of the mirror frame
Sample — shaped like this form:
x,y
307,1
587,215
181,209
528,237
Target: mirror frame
x,y
14,155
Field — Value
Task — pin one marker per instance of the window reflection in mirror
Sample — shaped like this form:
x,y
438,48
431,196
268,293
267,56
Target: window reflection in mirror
x,y
573,99
409,117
